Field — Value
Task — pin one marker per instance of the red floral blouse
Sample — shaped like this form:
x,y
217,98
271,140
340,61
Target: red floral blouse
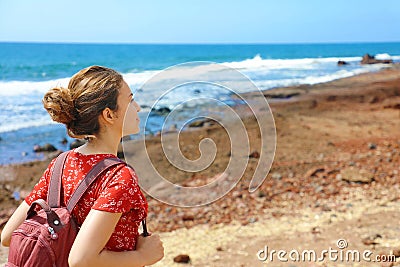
x,y
115,191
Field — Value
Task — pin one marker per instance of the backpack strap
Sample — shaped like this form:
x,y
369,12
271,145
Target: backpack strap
x,y
54,192
90,177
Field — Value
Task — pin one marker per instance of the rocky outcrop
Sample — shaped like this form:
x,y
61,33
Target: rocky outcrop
x,y
342,63
44,148
357,175
368,59
163,111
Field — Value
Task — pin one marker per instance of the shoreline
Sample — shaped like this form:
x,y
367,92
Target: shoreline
x,y
276,97
273,95
57,135
337,153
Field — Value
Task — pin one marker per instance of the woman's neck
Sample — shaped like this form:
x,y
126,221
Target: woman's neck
x,y
100,145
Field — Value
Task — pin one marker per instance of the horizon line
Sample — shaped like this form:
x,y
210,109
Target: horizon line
x,y
190,43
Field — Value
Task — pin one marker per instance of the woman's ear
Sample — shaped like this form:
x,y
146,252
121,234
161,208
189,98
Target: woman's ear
x,y
108,115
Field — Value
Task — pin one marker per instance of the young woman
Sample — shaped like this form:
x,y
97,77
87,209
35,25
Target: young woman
x,y
95,106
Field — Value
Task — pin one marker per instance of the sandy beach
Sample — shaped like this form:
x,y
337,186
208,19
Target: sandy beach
x,y
335,176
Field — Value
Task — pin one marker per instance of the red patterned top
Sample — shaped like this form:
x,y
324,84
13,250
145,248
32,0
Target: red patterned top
x,y
115,191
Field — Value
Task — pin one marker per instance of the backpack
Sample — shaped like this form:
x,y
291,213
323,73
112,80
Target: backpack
x,y
45,238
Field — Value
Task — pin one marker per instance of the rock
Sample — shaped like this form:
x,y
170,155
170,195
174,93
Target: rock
x,y
182,258
254,154
237,194
373,100
276,176
330,143
393,106
252,220
77,143
396,252
352,174
313,171
284,95
45,148
316,230
200,123
64,141
188,217
372,146
368,59
163,111
342,63
371,240
261,194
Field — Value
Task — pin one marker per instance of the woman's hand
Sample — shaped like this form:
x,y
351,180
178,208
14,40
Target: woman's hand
x,y
151,247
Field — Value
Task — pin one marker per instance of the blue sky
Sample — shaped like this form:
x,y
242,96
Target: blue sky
x,y
205,21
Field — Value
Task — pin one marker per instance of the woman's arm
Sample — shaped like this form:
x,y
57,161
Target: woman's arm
x,y
15,220
88,248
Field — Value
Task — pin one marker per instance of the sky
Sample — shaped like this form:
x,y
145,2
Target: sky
x,y
199,21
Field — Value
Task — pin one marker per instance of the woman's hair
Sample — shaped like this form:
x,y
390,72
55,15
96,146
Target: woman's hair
x,y
89,92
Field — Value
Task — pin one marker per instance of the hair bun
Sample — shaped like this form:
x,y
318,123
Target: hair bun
x,y
59,105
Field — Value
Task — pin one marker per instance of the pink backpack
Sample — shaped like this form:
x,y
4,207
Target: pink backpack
x,y
45,238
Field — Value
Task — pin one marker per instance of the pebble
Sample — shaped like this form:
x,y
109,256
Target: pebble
x,y
254,154
182,258
188,217
372,146
276,176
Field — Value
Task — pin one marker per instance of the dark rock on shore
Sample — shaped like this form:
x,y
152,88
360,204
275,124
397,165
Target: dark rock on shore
x,y
182,258
368,59
161,111
342,63
393,106
254,154
357,175
201,123
284,95
45,148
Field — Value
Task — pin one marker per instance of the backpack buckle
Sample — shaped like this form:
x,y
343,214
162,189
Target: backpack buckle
x,y
53,234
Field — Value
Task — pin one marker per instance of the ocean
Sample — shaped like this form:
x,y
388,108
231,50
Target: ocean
x,y
28,70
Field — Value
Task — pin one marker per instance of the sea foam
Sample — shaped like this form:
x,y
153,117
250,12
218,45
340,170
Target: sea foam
x,y
265,73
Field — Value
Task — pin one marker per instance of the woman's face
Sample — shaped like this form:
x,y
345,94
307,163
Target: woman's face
x,y
128,111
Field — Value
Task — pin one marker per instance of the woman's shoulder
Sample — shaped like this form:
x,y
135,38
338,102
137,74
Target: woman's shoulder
x,y
123,171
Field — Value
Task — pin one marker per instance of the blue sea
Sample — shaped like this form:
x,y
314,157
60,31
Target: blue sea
x,y
28,70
